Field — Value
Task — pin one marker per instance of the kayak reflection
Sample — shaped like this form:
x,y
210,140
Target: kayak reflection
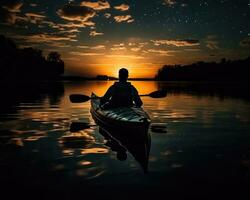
x,y
136,143
124,141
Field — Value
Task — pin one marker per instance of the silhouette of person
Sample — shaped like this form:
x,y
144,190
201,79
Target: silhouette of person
x,y
121,94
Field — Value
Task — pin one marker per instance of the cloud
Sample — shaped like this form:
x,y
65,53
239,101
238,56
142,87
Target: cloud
x,y
122,7
119,45
160,52
245,42
142,44
7,17
14,7
125,56
177,43
212,45
74,30
94,33
53,25
34,15
192,50
169,2
77,25
123,18
9,11
76,13
107,15
45,38
83,47
211,42
98,47
33,5
59,45
34,18
85,53
99,5
135,49
118,48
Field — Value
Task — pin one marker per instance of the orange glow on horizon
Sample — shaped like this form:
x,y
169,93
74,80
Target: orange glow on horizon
x,y
109,65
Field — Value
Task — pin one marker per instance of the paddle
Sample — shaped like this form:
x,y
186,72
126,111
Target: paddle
x,y
80,98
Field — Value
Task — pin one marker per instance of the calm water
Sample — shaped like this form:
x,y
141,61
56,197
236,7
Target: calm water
x,y
205,148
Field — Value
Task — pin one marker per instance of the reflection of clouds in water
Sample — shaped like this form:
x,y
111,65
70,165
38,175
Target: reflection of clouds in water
x,y
72,142
95,150
84,154
68,152
34,138
243,117
18,142
166,153
58,167
176,165
152,158
84,162
19,137
91,172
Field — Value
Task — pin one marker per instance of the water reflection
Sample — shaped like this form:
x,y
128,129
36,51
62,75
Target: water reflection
x,y
196,138
122,141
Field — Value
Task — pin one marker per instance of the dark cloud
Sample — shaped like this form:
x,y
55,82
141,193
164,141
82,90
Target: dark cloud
x,y
169,2
45,38
6,16
9,10
76,13
94,33
13,6
245,42
212,42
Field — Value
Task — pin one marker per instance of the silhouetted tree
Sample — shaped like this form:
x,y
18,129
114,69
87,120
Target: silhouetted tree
x,y
225,70
56,64
54,57
27,63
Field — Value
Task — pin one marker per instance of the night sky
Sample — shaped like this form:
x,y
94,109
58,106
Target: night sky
x,y
99,37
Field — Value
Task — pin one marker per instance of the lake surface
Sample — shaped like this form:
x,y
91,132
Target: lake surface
x,y
203,150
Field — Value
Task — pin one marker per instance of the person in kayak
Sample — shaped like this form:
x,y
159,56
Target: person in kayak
x,y
121,94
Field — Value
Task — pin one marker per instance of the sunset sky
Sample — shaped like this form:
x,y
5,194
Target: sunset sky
x,y
99,37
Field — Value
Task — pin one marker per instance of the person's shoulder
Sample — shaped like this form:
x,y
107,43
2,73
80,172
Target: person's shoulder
x,y
115,84
133,88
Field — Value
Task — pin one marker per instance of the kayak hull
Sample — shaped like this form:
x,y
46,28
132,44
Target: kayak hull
x,y
127,119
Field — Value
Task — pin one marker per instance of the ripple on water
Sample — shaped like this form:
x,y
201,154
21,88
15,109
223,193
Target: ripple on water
x,y
38,134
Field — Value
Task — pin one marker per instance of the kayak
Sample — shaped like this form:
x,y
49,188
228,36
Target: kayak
x,y
122,118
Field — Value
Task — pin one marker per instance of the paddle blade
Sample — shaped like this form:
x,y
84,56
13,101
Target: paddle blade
x,y
158,94
78,98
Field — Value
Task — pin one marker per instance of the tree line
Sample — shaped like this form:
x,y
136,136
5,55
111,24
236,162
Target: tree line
x,y
27,63
225,70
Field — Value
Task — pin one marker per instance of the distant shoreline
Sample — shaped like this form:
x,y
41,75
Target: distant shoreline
x,y
79,78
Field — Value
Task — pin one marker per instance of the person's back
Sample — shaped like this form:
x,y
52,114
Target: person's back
x,y
121,93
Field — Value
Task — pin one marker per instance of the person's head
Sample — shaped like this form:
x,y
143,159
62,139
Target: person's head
x,y
123,75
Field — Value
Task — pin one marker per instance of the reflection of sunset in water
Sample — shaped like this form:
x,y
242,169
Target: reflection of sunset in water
x,y
94,151
40,132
